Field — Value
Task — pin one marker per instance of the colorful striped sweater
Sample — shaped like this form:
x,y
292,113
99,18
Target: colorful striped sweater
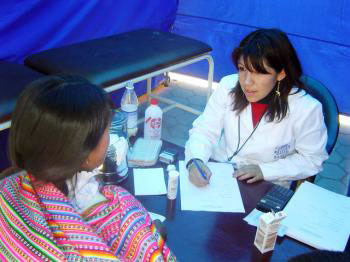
x,y
38,223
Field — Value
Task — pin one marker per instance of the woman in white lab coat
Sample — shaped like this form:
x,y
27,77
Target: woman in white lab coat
x,y
260,119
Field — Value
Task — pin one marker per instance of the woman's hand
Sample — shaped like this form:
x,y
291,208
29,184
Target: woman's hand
x,y
251,173
199,173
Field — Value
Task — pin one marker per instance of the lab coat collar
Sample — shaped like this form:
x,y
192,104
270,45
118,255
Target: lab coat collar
x,y
246,114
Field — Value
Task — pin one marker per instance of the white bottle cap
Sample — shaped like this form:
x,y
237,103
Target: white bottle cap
x,y
129,85
171,167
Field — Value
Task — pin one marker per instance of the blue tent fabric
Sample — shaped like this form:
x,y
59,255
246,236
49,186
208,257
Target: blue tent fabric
x,y
319,30
33,25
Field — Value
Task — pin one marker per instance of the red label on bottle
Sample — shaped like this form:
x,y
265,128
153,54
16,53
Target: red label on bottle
x,y
156,123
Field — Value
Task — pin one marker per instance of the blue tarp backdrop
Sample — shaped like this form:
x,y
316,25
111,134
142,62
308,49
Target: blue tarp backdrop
x,y
29,26
319,30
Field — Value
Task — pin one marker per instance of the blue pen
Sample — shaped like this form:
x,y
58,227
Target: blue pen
x,y
200,169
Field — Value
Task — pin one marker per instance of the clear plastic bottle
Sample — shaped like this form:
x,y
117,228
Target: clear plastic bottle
x,y
119,138
115,168
129,104
153,121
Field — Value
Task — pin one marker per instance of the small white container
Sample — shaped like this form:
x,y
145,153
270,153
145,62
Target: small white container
x,y
173,182
266,232
153,121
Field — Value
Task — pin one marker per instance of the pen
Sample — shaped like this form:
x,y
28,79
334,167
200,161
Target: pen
x,y
200,170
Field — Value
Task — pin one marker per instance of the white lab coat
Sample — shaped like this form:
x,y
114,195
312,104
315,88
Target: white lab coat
x,y
292,149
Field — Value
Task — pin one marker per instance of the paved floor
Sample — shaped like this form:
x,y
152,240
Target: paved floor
x,y
176,123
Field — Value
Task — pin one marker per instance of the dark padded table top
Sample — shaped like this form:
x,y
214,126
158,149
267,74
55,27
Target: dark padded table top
x,y
14,78
114,59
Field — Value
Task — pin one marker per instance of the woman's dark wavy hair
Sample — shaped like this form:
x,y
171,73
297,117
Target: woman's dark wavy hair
x,y
58,120
272,47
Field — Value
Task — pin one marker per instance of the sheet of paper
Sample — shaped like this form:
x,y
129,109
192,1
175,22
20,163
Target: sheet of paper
x,y
221,195
155,216
318,217
149,181
253,219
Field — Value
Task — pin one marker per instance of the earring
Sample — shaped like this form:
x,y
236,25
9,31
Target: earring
x,y
278,93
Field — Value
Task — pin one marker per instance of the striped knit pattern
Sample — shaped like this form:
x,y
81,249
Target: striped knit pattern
x,y
39,224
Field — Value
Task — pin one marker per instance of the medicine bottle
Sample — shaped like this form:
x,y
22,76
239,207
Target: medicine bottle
x,y
153,121
173,182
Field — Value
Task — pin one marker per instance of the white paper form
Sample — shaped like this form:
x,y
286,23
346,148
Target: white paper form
x,y
221,195
155,216
253,219
149,181
318,217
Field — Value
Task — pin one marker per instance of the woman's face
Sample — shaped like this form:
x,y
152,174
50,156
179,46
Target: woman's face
x,y
257,86
98,155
